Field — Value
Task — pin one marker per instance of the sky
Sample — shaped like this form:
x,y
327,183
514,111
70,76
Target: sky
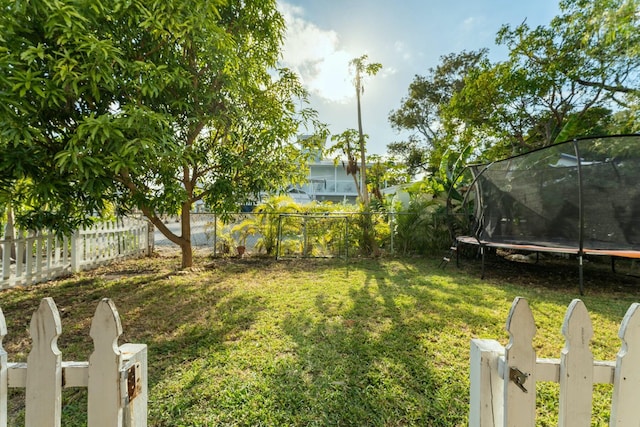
x,y
408,37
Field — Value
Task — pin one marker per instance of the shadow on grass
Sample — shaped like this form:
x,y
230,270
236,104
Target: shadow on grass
x,y
316,342
556,280
378,362
177,314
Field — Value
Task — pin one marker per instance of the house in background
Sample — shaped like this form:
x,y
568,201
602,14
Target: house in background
x,y
328,181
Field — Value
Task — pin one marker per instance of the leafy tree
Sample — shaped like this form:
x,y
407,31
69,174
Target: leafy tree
x,y
346,144
602,45
149,105
560,81
264,220
577,76
384,172
362,67
502,103
421,111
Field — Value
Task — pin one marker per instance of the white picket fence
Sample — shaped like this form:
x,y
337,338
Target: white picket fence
x,y
115,376
33,257
503,380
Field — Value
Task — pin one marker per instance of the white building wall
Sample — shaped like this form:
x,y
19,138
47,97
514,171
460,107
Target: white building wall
x,y
329,182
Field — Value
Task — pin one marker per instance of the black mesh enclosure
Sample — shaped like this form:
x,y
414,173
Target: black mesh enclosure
x,y
582,195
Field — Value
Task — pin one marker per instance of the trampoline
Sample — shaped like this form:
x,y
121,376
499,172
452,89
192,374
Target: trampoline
x,y
577,197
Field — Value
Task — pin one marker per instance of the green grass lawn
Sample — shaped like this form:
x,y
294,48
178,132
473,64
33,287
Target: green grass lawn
x,y
316,342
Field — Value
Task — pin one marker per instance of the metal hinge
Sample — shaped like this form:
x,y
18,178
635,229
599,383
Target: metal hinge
x,y
134,381
518,377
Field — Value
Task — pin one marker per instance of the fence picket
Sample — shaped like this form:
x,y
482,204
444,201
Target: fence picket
x,y
5,249
576,367
43,404
520,362
487,387
4,383
20,253
626,382
38,255
104,409
29,257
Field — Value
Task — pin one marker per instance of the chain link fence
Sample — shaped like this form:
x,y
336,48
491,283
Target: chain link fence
x,y
330,234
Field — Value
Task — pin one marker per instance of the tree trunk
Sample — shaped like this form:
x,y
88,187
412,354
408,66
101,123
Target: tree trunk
x,y
369,243
363,160
184,241
185,244
187,255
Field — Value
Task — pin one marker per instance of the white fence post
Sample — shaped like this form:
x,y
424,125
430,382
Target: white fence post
x,y
39,237
520,360
134,375
486,397
29,257
21,253
43,405
104,401
5,249
626,383
4,385
76,251
576,368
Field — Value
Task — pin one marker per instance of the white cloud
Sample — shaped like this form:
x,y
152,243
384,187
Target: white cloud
x,y
402,50
469,22
315,54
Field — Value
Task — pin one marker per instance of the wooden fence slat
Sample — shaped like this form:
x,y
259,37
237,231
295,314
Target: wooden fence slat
x,y
5,251
50,254
520,362
4,376
43,400
29,257
134,357
626,382
486,392
104,404
576,368
20,254
38,255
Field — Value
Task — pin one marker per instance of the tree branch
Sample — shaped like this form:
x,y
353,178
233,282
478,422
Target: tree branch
x,y
125,179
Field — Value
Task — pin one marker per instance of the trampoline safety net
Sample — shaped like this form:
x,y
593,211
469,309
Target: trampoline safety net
x,y
581,194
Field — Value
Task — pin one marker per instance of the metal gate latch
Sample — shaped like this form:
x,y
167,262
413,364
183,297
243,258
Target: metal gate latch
x,y
518,377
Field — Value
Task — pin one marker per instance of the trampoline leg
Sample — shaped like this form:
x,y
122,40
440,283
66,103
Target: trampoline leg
x,y
613,264
482,253
580,268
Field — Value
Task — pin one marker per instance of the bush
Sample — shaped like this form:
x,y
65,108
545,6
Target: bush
x,y
422,228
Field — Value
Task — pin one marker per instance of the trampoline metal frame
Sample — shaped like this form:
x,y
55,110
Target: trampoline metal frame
x,y
579,251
